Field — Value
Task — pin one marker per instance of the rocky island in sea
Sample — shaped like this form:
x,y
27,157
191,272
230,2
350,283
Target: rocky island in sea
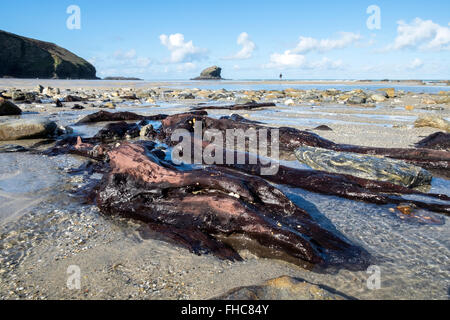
x,y
211,73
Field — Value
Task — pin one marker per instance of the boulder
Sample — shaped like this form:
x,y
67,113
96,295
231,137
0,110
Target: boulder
x,y
389,91
26,129
378,98
356,100
364,166
29,58
283,288
289,102
432,121
7,108
211,73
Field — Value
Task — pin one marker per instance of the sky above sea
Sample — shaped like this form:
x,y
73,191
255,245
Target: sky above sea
x,y
248,39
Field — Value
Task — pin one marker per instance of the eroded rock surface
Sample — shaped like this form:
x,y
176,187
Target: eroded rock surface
x,y
364,166
211,73
26,129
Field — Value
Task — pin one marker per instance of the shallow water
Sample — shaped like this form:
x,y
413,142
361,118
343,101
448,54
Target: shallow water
x,y
413,258
26,180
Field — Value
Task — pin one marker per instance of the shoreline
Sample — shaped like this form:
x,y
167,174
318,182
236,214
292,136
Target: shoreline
x,y
30,83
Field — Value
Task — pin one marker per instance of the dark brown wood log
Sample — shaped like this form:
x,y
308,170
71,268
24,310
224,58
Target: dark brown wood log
x,y
219,202
245,106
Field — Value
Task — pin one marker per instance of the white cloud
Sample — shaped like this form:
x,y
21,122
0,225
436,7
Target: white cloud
x,y
248,46
307,44
288,59
181,51
424,34
416,64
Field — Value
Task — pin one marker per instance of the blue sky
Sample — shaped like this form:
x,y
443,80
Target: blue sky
x,y
248,39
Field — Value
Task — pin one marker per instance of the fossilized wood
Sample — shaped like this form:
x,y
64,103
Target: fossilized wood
x,y
218,201
118,131
104,116
245,106
291,139
436,141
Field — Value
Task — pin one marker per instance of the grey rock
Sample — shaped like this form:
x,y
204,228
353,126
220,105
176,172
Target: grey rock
x,y
364,166
211,73
356,100
26,129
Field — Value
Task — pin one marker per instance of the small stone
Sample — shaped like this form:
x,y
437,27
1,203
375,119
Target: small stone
x,y
405,209
378,98
110,105
289,102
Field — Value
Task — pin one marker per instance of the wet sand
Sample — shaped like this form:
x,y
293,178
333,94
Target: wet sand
x,y
46,227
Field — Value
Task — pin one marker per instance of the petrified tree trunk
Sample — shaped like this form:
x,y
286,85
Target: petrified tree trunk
x,y
291,138
104,116
245,106
219,202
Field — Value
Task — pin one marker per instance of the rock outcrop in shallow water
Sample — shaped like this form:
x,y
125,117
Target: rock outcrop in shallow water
x,y
221,204
211,73
29,58
364,166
